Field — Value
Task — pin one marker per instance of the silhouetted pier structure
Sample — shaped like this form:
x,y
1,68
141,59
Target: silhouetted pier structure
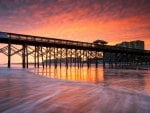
x,y
75,52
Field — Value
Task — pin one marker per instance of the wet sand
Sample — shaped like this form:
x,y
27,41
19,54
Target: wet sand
x,y
24,92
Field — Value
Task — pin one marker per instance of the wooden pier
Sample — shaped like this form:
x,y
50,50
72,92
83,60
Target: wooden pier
x,y
75,52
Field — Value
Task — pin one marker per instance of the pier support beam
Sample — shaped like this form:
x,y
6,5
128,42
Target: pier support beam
x,y
87,59
35,56
60,60
42,57
46,56
96,59
49,57
104,59
27,59
38,57
9,55
67,58
23,56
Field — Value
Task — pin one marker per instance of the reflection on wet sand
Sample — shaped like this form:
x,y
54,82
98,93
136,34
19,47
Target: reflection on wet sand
x,y
134,80
84,74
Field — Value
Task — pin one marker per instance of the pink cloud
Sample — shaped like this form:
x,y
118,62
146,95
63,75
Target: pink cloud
x,y
79,20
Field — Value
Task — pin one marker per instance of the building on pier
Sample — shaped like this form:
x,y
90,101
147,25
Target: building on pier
x,y
137,44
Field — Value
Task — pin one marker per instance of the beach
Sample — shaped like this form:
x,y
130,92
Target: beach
x,y
22,91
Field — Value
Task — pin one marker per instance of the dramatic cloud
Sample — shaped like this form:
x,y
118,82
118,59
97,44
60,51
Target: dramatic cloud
x,y
86,20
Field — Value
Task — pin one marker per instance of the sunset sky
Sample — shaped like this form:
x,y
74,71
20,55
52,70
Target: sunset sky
x,y
85,20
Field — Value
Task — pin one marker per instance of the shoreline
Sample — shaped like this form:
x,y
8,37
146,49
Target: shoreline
x,y
26,92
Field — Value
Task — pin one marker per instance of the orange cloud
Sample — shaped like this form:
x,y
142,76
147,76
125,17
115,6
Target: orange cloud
x,y
79,20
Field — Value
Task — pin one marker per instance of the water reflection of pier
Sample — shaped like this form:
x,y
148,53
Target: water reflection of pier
x,y
83,74
137,80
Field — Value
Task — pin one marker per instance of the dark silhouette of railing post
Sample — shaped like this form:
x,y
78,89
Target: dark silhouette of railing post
x,y
70,61
66,57
23,56
42,57
35,56
38,57
96,59
75,60
87,58
60,56
90,58
56,56
9,55
104,59
46,56
80,58
82,61
27,61
49,57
